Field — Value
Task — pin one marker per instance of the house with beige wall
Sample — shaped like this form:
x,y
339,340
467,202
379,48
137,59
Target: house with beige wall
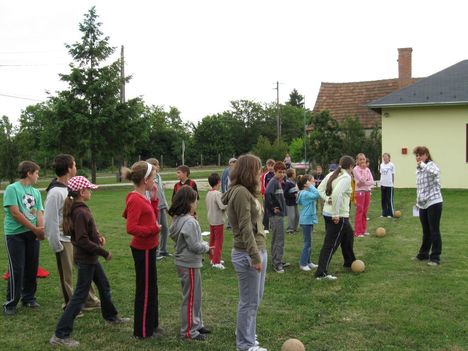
x,y
432,112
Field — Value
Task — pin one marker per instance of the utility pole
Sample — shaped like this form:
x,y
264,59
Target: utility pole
x,y
278,122
305,133
122,75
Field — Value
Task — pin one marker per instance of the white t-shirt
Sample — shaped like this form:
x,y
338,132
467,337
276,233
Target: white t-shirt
x,y
387,170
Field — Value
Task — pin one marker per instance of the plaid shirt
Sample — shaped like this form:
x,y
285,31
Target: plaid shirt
x,y
428,185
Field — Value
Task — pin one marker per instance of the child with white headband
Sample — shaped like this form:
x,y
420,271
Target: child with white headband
x,y
141,215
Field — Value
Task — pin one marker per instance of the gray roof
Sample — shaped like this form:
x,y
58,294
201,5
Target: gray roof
x,y
447,87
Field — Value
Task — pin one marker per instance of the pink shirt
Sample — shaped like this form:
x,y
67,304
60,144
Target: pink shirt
x,y
363,178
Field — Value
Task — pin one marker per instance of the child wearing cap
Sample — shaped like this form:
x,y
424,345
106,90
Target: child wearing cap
x,y
78,222
141,214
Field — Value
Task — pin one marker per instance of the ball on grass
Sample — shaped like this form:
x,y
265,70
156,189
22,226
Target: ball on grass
x,y
293,345
358,266
380,232
397,214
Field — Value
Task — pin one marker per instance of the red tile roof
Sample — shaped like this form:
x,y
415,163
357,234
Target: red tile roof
x,y
349,99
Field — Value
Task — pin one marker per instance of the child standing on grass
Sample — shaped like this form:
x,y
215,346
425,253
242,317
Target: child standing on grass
x,y
140,213
183,173
387,179
275,205
24,227
290,194
307,198
189,247
79,223
162,211
215,211
57,193
364,183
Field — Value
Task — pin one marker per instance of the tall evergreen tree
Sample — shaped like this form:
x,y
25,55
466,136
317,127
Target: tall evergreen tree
x,y
93,97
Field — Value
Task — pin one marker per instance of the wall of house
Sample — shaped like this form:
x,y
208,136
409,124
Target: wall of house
x,y
441,129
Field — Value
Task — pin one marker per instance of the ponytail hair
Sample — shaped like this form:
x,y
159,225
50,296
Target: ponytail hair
x,y
302,179
67,223
138,172
346,162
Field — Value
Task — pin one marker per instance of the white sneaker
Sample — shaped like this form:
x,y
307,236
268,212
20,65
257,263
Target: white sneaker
x,y
218,266
305,268
221,261
312,265
266,231
366,233
327,277
257,348
67,342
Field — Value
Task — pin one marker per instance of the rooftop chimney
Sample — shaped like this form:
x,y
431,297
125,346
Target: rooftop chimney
x,y
404,67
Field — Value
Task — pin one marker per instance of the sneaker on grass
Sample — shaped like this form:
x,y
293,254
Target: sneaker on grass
x,y
305,268
312,265
218,266
67,342
327,277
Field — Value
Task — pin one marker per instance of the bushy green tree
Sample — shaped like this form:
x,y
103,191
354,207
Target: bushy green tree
x,y
296,99
353,136
325,143
296,149
265,149
8,151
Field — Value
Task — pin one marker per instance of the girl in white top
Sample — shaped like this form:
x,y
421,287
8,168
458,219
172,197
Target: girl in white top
x,y
387,179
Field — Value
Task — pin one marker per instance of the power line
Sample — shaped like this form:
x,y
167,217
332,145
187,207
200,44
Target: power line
x,y
19,97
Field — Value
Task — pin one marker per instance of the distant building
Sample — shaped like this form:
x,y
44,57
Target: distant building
x,y
344,100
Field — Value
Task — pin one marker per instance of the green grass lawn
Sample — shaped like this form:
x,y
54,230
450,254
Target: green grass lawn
x,y
396,304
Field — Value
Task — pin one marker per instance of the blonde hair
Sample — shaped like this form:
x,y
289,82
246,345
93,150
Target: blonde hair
x,y
137,172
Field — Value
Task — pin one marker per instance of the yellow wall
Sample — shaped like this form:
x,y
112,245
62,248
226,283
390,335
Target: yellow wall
x,y
441,129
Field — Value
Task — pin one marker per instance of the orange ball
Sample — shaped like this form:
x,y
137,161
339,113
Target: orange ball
x,y
380,232
293,345
397,214
358,266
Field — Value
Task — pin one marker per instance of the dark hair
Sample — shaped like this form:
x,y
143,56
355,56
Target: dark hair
x,y
270,162
26,167
137,173
183,168
422,150
67,223
346,162
62,163
302,180
182,201
290,172
213,179
246,173
279,165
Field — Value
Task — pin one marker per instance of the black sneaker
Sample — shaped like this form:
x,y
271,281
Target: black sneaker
x,y
199,337
32,304
9,311
118,320
204,330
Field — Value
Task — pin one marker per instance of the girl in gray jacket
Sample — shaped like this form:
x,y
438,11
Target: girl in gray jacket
x,y
189,247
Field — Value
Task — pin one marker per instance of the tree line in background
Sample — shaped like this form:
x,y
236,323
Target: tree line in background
x,y
90,121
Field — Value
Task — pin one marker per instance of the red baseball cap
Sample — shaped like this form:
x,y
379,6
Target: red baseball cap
x,y
79,182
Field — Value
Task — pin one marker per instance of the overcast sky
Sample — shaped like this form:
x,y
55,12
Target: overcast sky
x,y
200,55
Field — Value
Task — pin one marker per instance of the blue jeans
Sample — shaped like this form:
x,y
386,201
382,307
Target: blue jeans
x,y
86,274
23,261
307,249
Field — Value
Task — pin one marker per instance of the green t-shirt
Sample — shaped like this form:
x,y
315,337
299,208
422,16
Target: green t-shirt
x,y
27,199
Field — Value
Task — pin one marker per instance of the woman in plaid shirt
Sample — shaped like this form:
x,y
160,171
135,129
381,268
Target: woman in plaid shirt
x,y
429,201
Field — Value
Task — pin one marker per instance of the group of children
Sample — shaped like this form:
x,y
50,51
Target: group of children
x,y
75,239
